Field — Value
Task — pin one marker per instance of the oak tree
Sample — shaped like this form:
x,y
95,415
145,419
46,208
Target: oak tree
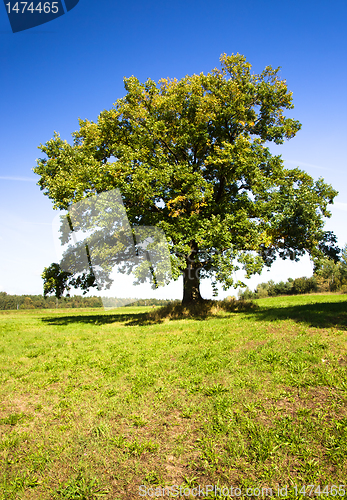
x,y
191,157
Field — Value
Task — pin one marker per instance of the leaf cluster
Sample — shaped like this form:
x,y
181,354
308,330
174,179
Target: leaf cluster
x,y
56,281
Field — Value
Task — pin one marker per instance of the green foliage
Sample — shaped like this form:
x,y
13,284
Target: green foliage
x,y
152,302
282,288
290,287
246,294
332,275
189,156
304,285
77,301
8,302
57,281
329,276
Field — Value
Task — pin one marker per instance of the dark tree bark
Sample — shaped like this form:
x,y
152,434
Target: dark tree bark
x,y
191,276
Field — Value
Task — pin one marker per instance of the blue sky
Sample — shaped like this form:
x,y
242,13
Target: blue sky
x,y
74,67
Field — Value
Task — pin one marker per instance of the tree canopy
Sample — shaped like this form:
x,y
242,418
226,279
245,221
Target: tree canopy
x,y
190,157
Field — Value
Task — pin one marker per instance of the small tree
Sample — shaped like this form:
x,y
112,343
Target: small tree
x,y
304,285
189,157
332,274
246,294
262,290
284,288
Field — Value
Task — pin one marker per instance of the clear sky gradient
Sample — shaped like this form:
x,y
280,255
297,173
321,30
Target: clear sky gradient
x,y
73,67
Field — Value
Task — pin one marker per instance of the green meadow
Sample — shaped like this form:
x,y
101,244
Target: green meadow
x,y
95,404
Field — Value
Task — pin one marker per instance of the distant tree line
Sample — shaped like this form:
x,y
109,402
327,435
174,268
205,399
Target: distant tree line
x,y
272,289
330,275
153,302
8,301
114,302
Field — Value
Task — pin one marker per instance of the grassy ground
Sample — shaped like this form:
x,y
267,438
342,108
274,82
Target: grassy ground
x,y
95,404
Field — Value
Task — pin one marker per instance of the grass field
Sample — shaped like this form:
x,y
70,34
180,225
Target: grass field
x,y
95,404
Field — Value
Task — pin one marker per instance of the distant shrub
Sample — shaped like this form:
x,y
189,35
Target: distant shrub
x,y
304,285
246,294
262,290
290,287
261,293
283,288
323,284
331,275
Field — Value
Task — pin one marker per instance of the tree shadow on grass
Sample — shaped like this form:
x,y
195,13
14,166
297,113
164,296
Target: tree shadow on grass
x,y
97,319
199,312
318,315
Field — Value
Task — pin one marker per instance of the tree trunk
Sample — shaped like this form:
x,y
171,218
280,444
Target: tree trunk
x,y
191,277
